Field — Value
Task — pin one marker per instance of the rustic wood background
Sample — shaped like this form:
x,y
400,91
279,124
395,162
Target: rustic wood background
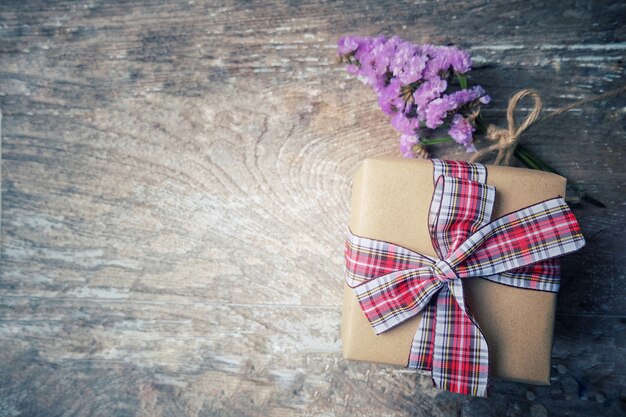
x,y
175,187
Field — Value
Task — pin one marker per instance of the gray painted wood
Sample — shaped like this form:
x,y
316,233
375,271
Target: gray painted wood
x,y
175,187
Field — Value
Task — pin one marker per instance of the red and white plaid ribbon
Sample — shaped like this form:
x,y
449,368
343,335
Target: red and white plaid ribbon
x,y
393,283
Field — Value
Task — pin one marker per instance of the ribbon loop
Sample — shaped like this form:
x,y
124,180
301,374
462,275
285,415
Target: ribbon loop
x,y
459,207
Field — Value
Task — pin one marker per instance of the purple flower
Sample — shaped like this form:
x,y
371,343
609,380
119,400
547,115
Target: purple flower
x,y
436,65
462,97
404,52
352,69
428,49
383,54
427,91
462,132
411,82
348,44
413,68
459,60
407,64
404,124
443,58
406,145
437,110
389,97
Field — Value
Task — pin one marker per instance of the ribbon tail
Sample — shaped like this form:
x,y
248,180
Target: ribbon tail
x,y
460,357
421,356
367,259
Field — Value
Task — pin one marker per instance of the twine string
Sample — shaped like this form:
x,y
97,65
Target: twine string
x,y
505,140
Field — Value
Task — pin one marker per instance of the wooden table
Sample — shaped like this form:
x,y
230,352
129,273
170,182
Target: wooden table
x,y
175,190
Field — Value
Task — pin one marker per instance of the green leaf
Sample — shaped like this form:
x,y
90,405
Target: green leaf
x,y
540,164
462,80
434,141
524,159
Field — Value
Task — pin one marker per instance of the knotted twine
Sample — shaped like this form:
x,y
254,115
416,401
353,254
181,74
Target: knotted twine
x,y
505,140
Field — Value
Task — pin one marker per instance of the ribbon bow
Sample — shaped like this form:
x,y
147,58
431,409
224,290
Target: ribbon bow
x,y
393,283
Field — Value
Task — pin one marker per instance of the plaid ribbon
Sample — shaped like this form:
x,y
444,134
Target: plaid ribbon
x,y
393,283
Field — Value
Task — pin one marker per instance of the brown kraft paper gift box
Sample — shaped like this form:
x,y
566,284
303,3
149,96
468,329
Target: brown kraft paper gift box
x,y
390,201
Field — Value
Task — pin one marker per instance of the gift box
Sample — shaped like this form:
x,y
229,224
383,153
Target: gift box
x,y
391,200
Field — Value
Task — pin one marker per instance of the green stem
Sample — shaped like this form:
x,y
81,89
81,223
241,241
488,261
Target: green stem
x,y
434,141
524,159
462,80
521,151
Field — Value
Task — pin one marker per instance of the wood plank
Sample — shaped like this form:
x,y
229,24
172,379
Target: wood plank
x,y
175,192
148,167
181,357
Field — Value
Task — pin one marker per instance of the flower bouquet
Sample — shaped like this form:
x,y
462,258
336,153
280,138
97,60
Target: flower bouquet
x,y
424,89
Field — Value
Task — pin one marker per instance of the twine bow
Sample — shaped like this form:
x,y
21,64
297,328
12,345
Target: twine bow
x,y
506,139
393,283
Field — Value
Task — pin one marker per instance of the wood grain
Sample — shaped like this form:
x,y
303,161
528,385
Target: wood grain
x,y
175,188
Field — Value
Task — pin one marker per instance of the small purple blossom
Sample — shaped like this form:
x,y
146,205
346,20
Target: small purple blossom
x,y
437,110
352,69
403,53
389,97
460,60
442,58
406,145
412,70
426,92
436,66
461,97
349,44
404,124
462,132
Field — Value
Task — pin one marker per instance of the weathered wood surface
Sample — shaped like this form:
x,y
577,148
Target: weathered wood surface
x,y
175,185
